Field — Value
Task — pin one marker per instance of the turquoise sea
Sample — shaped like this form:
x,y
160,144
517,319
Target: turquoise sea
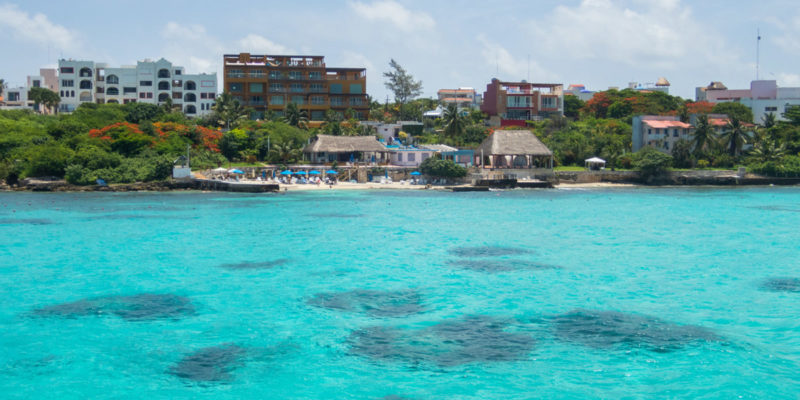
x,y
603,293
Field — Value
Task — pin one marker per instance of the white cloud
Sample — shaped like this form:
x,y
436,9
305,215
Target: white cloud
x,y
393,13
36,28
789,39
509,67
192,47
788,79
648,33
356,60
258,44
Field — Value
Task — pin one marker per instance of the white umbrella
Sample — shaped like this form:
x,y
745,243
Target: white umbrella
x,y
220,169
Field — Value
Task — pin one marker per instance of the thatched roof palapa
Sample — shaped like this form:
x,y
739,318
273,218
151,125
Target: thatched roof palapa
x,y
513,142
344,144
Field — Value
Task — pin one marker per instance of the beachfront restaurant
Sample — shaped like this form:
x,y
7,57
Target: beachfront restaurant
x,y
346,149
518,149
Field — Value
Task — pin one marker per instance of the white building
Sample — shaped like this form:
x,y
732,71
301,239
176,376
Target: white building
x,y
14,98
659,132
151,82
762,98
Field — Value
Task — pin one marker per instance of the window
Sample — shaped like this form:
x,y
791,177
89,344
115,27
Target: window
x,y
190,85
356,88
675,132
317,88
278,100
67,83
258,73
177,95
235,73
425,156
649,131
770,109
519,101
412,157
274,75
112,91
67,70
178,72
256,88
112,80
86,84
275,87
13,96
299,100
163,73
146,95
399,156
256,101
297,87
190,98
336,101
37,83
235,87
315,75
145,83
211,96
335,88
356,101
127,90
163,85
317,115
318,100
295,75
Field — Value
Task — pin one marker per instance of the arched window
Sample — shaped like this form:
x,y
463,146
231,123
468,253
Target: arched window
x,y
163,97
85,72
190,109
86,96
189,98
112,91
112,80
163,85
86,84
163,73
112,102
190,85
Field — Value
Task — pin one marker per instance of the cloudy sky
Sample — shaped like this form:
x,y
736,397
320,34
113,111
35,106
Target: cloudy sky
x,y
599,43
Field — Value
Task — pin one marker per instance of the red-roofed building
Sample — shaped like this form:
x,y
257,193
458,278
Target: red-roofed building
x,y
462,97
659,132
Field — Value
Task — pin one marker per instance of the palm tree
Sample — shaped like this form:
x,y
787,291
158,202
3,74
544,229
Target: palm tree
x,y
285,152
228,111
454,123
703,135
294,116
734,136
768,120
768,150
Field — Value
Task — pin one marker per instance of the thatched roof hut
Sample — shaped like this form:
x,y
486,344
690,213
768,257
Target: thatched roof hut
x,y
514,148
327,148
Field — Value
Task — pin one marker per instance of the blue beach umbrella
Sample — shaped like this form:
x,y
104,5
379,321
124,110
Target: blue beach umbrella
x,y
300,173
330,171
416,173
236,171
314,172
287,172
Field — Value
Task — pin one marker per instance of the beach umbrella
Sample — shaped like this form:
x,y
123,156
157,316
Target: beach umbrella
x,y
220,169
300,173
330,171
236,171
314,172
287,172
416,173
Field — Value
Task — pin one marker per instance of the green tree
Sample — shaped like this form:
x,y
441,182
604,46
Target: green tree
x,y
651,162
228,111
734,110
436,167
682,154
703,136
768,120
734,136
572,106
401,83
792,114
45,97
285,152
141,112
454,122
767,151
294,116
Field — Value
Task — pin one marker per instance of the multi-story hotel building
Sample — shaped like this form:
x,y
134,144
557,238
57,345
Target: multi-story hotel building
x,y
464,97
270,82
512,103
148,81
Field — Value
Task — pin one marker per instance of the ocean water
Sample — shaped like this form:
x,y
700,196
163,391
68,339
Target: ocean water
x,y
606,293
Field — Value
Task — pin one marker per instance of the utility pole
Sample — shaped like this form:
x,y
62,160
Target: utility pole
x,y
758,45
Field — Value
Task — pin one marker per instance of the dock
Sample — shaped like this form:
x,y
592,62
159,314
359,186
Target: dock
x,y
239,187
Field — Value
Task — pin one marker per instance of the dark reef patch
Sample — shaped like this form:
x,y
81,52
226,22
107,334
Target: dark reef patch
x,y
777,208
500,265
209,364
26,221
256,265
606,329
781,285
335,215
139,307
487,251
399,303
448,343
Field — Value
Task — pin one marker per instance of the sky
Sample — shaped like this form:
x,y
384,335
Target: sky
x,y
445,44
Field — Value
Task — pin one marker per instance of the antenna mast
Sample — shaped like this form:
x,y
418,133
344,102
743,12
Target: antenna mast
x,y
758,49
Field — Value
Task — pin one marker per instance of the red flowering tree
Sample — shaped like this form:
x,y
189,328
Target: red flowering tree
x,y
125,138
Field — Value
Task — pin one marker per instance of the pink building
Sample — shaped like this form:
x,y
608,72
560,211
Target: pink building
x,y
513,103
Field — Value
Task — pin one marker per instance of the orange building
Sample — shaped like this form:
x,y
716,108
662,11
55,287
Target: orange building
x,y
270,82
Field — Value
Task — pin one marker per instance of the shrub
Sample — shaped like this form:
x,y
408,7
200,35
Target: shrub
x,y
78,175
442,168
702,164
786,166
651,162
